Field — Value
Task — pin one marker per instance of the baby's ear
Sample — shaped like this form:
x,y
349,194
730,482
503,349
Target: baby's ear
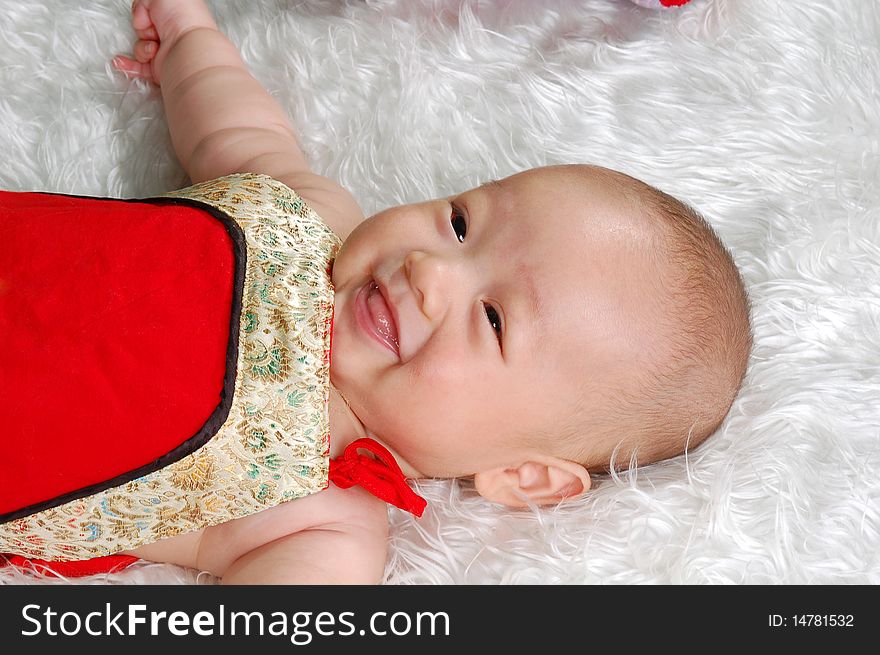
x,y
540,481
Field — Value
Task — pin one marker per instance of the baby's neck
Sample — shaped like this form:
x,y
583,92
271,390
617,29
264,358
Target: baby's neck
x,y
345,427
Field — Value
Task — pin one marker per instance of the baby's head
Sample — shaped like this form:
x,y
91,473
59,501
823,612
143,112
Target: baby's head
x,y
535,329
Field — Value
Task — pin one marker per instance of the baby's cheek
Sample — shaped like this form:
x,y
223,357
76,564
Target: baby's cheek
x,y
435,374
342,268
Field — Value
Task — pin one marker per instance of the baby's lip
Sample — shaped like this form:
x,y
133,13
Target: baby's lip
x,y
377,316
395,317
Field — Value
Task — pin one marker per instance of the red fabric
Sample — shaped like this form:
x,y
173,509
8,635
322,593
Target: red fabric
x,y
114,323
380,475
109,564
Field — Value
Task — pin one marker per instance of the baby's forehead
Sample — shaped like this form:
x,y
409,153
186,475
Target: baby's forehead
x,y
574,197
594,258
573,213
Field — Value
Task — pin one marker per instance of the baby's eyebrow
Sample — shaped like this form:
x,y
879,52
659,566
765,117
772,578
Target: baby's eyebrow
x,y
535,302
530,320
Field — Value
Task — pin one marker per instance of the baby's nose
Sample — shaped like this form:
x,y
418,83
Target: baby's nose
x,y
430,279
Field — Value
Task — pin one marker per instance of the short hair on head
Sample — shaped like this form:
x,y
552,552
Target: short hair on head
x,y
682,397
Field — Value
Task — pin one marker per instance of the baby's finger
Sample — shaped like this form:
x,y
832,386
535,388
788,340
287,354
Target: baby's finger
x,y
149,34
131,68
140,17
144,51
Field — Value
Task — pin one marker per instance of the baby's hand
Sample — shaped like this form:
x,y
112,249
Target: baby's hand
x,y
159,24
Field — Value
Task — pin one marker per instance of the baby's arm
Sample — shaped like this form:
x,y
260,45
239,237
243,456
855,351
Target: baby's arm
x,y
333,537
221,119
330,555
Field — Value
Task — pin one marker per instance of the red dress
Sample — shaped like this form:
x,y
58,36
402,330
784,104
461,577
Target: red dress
x,y
164,366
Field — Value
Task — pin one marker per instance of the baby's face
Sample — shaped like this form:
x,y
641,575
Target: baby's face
x,y
495,310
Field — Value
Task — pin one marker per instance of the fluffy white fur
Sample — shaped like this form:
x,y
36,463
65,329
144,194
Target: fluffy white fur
x,y
762,113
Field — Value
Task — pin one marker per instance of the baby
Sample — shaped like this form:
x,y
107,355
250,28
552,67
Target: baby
x,y
526,333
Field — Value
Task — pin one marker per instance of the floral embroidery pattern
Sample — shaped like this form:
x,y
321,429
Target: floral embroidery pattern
x,y
273,446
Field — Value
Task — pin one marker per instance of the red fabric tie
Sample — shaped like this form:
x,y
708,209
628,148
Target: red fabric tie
x,y
380,475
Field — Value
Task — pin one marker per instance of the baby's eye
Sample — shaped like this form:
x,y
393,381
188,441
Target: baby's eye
x,y
459,224
494,320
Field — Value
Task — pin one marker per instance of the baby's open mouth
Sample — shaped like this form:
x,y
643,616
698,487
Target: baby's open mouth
x,y
376,316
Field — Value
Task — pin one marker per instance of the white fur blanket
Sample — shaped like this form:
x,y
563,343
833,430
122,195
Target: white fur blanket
x,y
762,113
